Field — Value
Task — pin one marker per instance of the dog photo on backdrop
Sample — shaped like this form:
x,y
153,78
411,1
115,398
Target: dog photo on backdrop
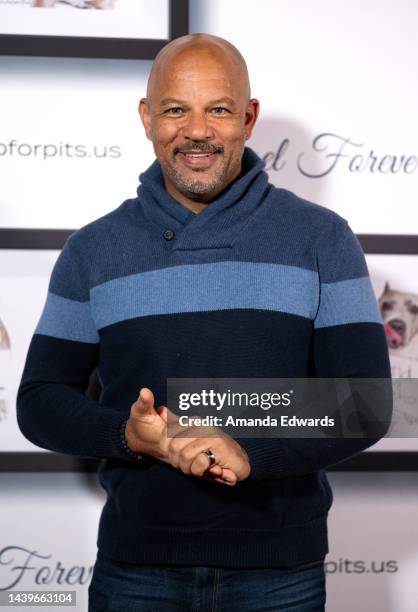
x,y
5,345
399,311
82,4
4,337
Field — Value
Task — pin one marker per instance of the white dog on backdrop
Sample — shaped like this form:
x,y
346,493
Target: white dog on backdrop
x,y
83,4
5,347
399,311
4,337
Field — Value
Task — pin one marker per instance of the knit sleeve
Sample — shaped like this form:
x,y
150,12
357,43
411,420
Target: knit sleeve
x,y
53,411
348,342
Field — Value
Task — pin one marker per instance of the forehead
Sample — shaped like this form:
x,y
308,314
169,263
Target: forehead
x,y
196,72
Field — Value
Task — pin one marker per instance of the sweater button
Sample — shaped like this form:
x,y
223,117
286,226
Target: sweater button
x,y
168,234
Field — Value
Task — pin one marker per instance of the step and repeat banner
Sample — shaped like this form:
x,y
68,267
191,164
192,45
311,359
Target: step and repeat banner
x,y
372,565
338,91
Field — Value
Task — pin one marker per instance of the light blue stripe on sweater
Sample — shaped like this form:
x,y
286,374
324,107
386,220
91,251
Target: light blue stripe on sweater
x,y
349,301
206,287
67,319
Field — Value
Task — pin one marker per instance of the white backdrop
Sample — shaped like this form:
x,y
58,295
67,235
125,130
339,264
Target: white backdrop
x,y
70,127
71,149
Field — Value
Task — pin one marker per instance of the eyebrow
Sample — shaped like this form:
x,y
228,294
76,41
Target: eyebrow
x,y
224,100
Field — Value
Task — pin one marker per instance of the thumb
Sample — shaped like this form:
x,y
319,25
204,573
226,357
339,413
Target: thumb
x,y
145,402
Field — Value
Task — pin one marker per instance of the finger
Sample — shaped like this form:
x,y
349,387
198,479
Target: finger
x,y
182,453
225,474
207,476
145,402
167,416
215,470
162,411
184,450
228,476
201,464
225,482
170,415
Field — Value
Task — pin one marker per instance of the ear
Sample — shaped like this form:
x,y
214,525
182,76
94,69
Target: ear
x,y
145,115
386,287
251,115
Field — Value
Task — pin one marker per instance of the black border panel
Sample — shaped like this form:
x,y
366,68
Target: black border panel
x,y
179,18
45,462
379,461
42,239
389,244
92,47
372,244
82,47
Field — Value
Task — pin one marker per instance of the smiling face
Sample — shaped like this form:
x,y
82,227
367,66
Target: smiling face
x,y
198,115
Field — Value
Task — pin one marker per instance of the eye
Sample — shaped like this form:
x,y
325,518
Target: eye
x,y
413,309
386,305
219,110
174,110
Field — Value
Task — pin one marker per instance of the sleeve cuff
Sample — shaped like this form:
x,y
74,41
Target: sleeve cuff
x,y
130,454
110,438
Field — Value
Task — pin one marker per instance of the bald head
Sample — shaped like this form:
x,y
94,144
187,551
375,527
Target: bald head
x,y
199,49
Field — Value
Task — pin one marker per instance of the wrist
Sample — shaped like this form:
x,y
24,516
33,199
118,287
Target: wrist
x,y
123,434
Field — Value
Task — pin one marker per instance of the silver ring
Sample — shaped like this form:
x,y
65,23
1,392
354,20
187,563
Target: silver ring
x,y
210,456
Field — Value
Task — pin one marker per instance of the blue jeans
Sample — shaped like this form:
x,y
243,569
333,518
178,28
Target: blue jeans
x,y
123,587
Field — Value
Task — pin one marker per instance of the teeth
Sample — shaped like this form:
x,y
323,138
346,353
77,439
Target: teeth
x,y
197,154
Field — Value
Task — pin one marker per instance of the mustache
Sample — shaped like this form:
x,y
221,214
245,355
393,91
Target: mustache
x,y
204,147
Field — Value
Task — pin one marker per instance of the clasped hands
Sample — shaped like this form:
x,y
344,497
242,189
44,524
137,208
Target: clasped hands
x,y
146,434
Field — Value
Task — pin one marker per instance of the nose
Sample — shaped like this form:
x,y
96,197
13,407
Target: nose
x,y
197,127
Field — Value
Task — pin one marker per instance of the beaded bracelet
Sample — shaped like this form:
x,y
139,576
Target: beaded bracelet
x,y
125,444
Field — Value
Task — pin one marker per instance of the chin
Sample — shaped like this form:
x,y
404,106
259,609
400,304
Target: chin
x,y
195,185
202,194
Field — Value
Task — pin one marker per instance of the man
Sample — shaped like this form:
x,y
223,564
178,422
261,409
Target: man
x,y
209,272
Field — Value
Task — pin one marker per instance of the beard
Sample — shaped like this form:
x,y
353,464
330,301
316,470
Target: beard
x,y
196,187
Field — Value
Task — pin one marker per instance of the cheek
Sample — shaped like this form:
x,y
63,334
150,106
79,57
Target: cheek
x,y
231,135
164,134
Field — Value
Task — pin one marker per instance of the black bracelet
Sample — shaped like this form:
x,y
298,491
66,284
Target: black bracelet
x,y
125,444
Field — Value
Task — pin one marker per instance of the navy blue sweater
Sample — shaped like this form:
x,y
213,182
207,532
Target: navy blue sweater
x,y
259,284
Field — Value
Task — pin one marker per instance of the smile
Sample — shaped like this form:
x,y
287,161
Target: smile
x,y
195,159
197,154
